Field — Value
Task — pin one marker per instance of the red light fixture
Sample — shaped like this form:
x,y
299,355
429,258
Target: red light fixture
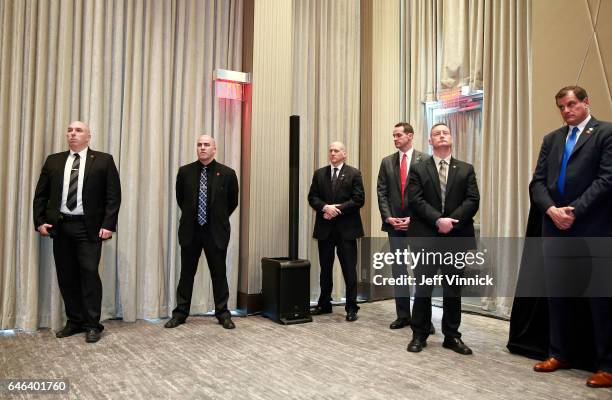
x,y
229,85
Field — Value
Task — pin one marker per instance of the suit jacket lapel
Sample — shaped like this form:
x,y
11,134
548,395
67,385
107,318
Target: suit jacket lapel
x,y
396,170
586,134
90,158
60,170
195,172
341,172
558,149
416,157
327,186
433,173
216,181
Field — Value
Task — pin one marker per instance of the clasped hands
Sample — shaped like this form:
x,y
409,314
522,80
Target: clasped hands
x,y
399,224
331,211
445,225
562,217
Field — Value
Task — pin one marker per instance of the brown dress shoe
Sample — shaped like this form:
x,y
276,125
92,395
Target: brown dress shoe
x,y
600,379
550,365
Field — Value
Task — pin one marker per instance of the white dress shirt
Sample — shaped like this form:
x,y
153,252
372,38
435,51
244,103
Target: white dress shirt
x,y
580,128
78,210
437,161
408,159
339,169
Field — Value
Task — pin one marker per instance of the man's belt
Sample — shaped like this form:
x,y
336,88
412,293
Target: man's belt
x,y
69,217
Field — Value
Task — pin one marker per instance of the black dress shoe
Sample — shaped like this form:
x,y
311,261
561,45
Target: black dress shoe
x,y
227,323
416,345
68,330
92,335
351,316
400,323
174,322
432,330
457,345
320,310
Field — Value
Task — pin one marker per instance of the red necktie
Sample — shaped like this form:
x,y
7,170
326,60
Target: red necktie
x,y
403,176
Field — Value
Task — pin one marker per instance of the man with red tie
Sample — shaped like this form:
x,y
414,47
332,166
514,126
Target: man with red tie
x,y
393,203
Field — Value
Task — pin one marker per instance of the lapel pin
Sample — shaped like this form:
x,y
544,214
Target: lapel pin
x,y
218,174
589,131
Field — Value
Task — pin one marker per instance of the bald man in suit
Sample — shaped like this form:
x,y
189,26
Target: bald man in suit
x,y
207,194
76,202
336,194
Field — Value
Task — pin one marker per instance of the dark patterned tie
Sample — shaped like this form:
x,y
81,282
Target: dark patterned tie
x,y
334,179
202,197
73,187
442,176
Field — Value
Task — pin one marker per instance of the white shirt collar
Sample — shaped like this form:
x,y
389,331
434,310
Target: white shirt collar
x,y
408,154
339,168
438,159
581,125
82,153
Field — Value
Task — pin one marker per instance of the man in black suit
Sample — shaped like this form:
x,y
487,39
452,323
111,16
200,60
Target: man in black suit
x,y
77,202
445,199
336,194
207,194
393,203
572,187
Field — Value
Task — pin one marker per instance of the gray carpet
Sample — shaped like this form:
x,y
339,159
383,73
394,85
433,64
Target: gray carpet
x,y
327,359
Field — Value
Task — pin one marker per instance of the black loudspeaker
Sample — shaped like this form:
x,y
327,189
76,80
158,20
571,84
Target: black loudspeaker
x,y
286,290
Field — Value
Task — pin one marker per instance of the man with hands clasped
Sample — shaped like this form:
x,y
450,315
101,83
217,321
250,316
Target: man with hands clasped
x,y
394,205
445,199
336,195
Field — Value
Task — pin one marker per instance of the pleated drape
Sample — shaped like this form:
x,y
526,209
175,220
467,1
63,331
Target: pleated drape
x,y
140,74
326,82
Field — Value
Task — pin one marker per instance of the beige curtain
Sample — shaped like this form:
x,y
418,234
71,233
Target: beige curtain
x,y
326,65
421,62
462,43
507,137
140,74
485,45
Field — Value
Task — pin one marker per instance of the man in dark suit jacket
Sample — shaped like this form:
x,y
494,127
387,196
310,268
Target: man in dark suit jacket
x,y
77,202
336,194
207,194
393,203
572,187
445,199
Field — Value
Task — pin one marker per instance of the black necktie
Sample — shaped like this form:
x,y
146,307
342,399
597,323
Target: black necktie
x,y
73,187
334,179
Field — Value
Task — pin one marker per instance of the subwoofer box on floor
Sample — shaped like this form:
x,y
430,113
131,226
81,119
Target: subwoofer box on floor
x,y
286,290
